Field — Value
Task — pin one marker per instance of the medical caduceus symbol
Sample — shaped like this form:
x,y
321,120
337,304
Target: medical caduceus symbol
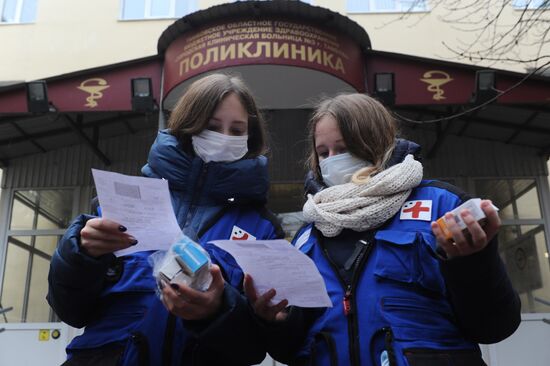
x,y
94,87
435,80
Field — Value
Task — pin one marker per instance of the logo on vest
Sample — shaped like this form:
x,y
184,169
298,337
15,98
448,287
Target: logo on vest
x,y
240,234
417,210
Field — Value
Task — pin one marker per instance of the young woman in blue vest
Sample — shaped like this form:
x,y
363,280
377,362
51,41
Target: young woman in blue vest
x,y
211,156
401,293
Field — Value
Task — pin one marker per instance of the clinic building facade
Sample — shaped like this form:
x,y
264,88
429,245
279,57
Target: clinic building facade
x,y
492,141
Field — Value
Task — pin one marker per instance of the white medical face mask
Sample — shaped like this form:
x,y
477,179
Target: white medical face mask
x,y
338,169
215,146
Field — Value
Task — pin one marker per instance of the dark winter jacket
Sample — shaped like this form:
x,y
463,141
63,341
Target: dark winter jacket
x,y
391,291
114,298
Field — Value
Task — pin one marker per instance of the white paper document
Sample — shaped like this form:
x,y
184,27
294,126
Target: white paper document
x,y
141,204
277,264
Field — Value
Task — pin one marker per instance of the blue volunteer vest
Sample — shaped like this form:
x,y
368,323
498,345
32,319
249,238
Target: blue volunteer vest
x,y
396,300
131,313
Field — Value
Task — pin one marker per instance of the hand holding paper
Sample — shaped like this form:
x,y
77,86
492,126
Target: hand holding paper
x,y
277,264
142,205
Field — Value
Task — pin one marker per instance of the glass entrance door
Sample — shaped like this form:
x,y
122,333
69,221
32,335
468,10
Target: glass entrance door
x,y
522,238
38,218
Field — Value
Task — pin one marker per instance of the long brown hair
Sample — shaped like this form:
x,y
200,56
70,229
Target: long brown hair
x,y
197,105
368,129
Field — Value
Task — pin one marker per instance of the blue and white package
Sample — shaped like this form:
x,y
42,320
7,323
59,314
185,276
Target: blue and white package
x,y
185,263
190,256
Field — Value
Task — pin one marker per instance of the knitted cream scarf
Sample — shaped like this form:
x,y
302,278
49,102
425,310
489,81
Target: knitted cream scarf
x,y
366,206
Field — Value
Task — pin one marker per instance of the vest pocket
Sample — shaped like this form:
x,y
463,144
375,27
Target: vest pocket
x,y
113,324
420,320
133,275
324,350
403,353
106,356
430,357
408,257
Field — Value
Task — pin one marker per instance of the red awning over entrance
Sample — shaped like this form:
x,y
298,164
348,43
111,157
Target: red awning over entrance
x,y
100,89
290,54
85,106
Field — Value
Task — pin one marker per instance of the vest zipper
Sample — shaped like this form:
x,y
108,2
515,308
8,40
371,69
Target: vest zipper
x,y
388,340
355,257
348,301
171,324
142,345
168,344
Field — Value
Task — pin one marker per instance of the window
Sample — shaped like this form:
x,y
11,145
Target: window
x,y
17,11
522,238
531,4
386,6
38,219
156,9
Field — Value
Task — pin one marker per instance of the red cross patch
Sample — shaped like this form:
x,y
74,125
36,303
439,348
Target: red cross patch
x,y
240,234
417,210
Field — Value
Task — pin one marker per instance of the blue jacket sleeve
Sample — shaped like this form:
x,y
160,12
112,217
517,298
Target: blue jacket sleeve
x,y
234,334
284,340
75,280
485,304
243,339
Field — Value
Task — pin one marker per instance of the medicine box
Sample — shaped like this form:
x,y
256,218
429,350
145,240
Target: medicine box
x,y
474,206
